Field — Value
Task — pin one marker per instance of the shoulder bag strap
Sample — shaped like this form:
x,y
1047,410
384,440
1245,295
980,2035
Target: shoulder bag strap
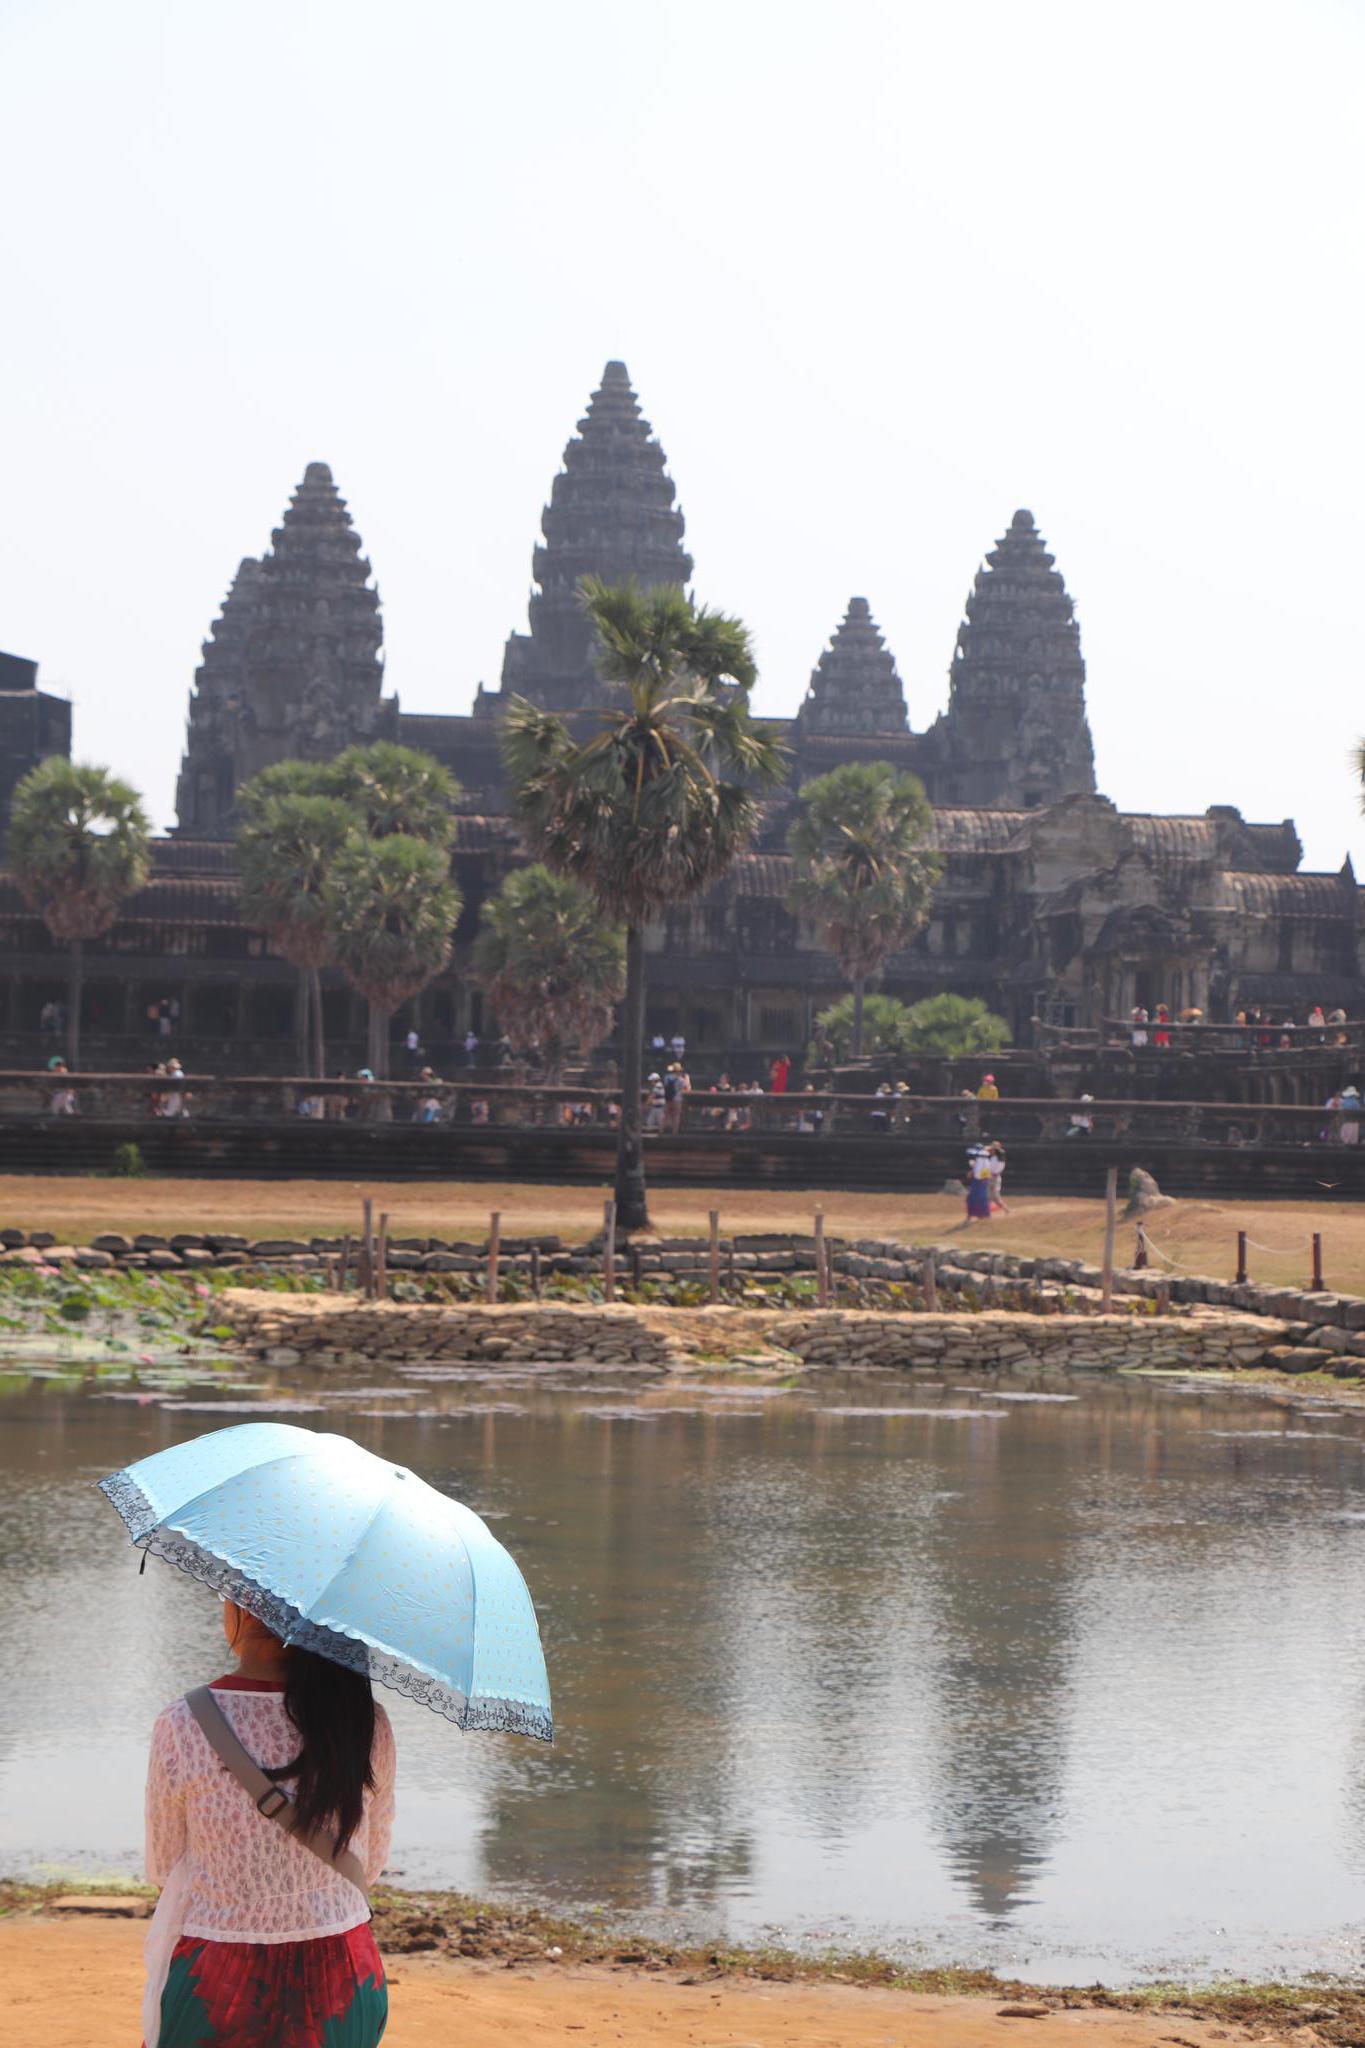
x,y
272,1802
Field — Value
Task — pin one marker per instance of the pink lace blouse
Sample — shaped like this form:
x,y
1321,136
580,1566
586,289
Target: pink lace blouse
x,y
246,1879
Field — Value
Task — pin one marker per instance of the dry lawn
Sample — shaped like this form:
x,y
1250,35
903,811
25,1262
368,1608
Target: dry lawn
x,y
1196,1236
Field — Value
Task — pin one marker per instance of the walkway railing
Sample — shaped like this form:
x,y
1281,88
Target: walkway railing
x,y
1246,1041
809,1114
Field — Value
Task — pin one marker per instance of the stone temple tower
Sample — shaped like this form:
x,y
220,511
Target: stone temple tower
x,y
611,514
292,668
1015,733
855,689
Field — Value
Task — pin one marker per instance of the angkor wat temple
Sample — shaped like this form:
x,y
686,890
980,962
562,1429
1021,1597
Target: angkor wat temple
x,y
1053,903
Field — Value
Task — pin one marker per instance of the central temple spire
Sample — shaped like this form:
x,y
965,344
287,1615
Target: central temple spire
x,y
1016,733
611,514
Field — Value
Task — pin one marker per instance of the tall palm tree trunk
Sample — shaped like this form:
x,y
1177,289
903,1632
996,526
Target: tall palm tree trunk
x,y
632,1207
859,991
319,1041
75,982
377,1041
302,1002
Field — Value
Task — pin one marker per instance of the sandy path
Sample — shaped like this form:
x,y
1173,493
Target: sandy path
x,y
78,1986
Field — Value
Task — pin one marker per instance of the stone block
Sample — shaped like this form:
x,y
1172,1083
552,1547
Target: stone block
x,y
91,1259
277,1247
196,1255
1297,1357
188,1241
12,1239
163,1259
147,1241
112,1241
221,1241
1321,1308
1352,1312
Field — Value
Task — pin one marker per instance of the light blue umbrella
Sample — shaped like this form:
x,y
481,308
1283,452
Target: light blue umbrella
x,y
341,1552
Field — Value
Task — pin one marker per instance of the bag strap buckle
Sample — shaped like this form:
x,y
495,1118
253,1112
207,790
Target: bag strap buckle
x,y
280,1797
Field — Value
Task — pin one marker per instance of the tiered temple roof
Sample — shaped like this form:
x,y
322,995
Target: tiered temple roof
x,y
611,514
292,668
1015,731
854,687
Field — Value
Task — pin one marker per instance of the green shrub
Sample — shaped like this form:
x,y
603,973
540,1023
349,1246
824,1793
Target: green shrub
x,y
127,1163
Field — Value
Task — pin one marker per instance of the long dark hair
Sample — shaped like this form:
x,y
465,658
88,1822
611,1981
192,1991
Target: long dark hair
x,y
333,1710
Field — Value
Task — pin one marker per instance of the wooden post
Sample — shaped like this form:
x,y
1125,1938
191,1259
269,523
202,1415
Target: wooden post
x,y
382,1263
494,1240
821,1269
367,1237
1315,1285
1163,1297
535,1272
609,1251
929,1279
345,1262
1140,1253
1241,1279
1111,1193
637,1271
714,1219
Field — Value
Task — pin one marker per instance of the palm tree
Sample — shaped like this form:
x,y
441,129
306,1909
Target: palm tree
x,y
298,817
393,907
552,969
653,806
286,849
78,844
861,869
395,789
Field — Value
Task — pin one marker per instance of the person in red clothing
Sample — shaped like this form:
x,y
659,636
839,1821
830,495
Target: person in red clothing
x,y
1162,1034
778,1072
260,1938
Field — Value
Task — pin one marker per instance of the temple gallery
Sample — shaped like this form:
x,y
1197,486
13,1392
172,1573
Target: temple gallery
x,y
1053,904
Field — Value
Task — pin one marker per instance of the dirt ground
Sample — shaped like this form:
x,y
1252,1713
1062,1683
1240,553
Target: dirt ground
x,y
1195,1236
79,1985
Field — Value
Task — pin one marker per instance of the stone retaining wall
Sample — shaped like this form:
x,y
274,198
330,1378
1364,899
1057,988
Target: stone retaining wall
x,y
288,1329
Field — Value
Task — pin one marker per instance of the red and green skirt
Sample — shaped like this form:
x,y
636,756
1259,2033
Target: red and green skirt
x,y
328,1993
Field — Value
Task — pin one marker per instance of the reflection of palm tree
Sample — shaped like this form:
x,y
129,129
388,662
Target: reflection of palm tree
x,y
635,1805
1004,1573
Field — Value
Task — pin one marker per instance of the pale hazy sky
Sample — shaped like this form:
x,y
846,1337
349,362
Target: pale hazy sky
x,y
882,271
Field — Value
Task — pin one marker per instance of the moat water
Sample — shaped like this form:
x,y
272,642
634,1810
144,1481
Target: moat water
x,y
1063,1675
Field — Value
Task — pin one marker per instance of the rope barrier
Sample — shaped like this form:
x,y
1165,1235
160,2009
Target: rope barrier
x,y
1282,1250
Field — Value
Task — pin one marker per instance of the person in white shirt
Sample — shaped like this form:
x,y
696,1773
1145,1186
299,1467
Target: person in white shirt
x,y
252,1925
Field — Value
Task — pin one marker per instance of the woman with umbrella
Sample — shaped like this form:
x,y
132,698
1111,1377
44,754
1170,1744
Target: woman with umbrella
x,y
274,1937
270,1792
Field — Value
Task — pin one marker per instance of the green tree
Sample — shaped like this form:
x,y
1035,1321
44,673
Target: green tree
x,y
78,844
950,1027
862,870
393,908
395,789
298,819
286,850
652,806
884,1025
552,969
